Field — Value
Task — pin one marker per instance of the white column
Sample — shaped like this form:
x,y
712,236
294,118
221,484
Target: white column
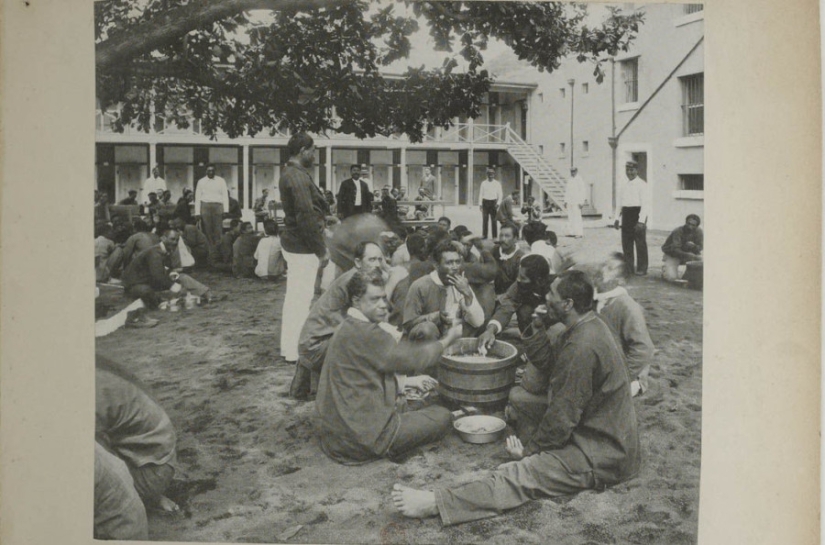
x,y
247,174
153,156
470,197
328,167
404,170
456,177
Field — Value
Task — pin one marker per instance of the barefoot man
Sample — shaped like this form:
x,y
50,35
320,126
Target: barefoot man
x,y
587,437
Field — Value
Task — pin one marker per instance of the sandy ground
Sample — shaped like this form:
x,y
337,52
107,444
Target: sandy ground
x,y
252,471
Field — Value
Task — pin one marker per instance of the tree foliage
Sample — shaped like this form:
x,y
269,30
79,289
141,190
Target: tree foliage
x,y
249,66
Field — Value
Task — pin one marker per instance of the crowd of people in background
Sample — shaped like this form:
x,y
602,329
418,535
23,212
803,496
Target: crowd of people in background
x,y
372,302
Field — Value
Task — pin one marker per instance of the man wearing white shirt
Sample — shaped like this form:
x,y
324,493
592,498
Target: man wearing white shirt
x,y
633,204
211,201
153,184
574,198
489,197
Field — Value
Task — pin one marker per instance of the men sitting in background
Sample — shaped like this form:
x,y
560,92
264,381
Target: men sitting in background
x,y
243,252
627,320
270,261
389,207
195,241
131,199
220,258
362,413
108,255
325,316
438,299
586,437
147,276
101,211
422,211
683,245
445,223
531,210
507,255
141,240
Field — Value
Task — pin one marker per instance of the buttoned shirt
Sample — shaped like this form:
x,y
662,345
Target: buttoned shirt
x,y
211,190
490,190
635,192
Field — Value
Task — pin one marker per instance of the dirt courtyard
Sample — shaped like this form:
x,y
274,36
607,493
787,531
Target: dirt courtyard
x,y
251,469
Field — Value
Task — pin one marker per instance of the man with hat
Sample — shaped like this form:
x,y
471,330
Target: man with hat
x,y
633,202
574,198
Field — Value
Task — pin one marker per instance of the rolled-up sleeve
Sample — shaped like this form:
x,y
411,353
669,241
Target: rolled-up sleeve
x,y
473,313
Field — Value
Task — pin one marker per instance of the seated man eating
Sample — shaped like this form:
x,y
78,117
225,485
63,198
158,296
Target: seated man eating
x,y
587,437
362,413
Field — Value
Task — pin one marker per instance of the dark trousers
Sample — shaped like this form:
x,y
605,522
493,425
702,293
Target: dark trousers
x,y
634,233
488,213
420,428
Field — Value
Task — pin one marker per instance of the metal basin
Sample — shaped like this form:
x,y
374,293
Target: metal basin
x,y
480,429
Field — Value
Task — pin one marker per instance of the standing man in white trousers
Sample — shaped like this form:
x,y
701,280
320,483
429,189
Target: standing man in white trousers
x,y
302,239
574,199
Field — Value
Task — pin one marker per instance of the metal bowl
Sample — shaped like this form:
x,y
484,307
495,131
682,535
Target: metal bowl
x,y
480,429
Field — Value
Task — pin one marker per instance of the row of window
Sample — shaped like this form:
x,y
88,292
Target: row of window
x,y
693,96
585,90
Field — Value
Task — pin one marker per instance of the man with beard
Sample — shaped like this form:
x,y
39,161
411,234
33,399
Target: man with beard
x,y
508,256
328,312
586,437
354,195
439,299
362,412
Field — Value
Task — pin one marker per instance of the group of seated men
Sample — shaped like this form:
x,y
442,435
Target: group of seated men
x,y
151,258
382,326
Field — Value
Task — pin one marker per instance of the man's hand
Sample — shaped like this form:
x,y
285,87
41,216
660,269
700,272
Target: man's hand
x,y
514,448
452,335
539,318
447,318
461,284
616,225
425,383
486,339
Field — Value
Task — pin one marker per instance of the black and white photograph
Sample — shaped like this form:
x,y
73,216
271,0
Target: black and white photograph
x,y
410,272
398,272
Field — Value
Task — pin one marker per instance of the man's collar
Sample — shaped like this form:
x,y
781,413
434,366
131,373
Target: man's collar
x,y
615,292
505,257
357,314
436,278
297,165
162,248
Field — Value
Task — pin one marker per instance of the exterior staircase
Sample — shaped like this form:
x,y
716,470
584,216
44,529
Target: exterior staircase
x,y
545,175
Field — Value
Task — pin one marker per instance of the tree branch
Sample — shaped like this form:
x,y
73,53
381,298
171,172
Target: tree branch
x,y
171,25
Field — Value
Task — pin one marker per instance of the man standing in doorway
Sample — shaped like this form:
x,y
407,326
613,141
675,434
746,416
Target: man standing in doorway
x,y
633,206
489,197
211,201
354,196
574,199
153,184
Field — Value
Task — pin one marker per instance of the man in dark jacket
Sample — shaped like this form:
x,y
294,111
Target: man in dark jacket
x,y
147,276
684,244
354,196
586,438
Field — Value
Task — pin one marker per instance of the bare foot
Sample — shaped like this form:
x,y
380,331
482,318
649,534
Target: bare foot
x,y
414,503
167,505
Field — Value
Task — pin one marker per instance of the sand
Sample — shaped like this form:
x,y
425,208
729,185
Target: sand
x,y
252,471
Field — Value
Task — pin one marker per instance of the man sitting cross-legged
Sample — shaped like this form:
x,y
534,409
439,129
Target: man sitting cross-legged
x,y
361,409
586,439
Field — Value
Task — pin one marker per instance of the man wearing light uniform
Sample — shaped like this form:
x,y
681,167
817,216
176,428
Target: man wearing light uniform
x,y
153,184
489,196
211,201
633,203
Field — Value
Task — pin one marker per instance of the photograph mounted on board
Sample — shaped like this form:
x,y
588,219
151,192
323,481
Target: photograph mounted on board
x,y
372,272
